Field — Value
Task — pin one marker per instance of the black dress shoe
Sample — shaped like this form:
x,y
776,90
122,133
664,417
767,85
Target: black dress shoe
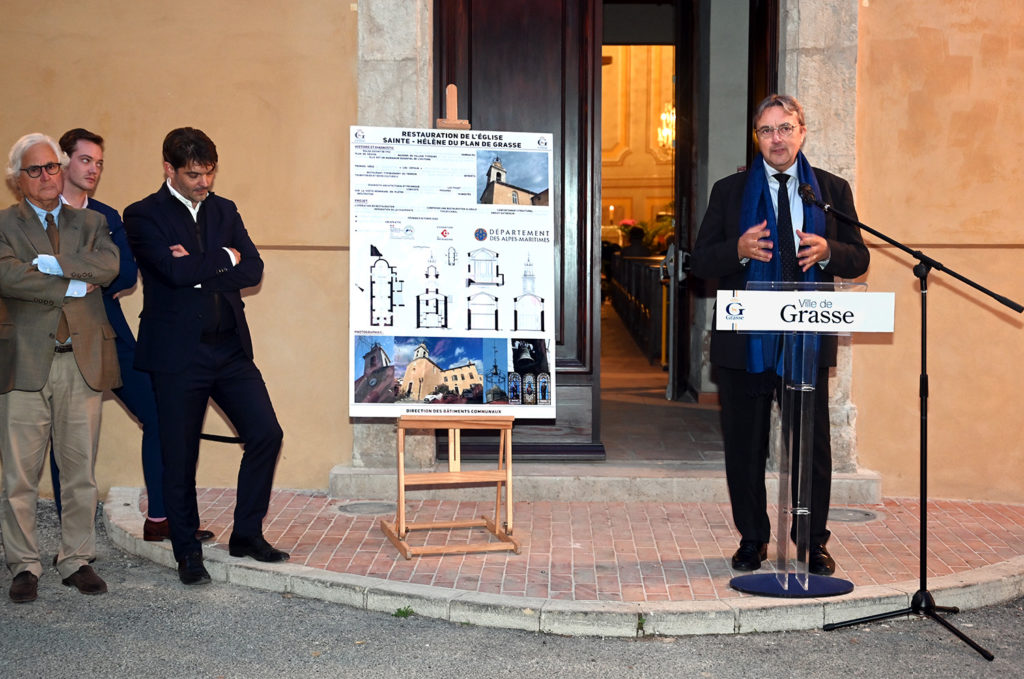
x,y
24,588
257,547
86,581
821,562
749,556
191,570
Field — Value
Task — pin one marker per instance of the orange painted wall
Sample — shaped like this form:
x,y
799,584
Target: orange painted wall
x,y
939,116
275,86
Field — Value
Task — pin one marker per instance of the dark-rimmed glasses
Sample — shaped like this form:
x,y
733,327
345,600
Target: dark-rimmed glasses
x,y
36,171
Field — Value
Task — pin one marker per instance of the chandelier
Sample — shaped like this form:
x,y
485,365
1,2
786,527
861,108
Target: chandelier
x,y
667,128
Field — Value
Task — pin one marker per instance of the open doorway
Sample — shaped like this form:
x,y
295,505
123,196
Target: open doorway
x,y
647,411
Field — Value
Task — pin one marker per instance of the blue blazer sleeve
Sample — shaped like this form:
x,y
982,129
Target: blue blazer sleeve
x,y
128,272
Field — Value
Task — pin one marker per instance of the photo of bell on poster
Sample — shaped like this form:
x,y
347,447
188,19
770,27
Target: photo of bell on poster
x,y
452,273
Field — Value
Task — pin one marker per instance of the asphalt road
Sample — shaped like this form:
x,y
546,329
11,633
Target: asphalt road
x,y
149,625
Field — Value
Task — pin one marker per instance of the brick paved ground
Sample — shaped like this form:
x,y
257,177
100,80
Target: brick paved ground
x,y
616,551
632,552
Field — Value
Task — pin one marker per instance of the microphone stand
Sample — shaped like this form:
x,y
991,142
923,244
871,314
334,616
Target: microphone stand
x,y
922,603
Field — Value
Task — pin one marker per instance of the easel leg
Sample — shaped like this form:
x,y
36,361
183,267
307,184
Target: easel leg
x,y
506,437
400,514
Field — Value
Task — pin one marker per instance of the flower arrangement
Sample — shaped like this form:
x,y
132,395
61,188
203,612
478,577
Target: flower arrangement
x,y
655,236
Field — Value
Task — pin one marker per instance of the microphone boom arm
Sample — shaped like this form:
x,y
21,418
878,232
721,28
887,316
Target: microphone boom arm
x,y
922,603
807,195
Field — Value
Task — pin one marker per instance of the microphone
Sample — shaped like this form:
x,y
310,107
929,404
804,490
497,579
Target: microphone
x,y
807,195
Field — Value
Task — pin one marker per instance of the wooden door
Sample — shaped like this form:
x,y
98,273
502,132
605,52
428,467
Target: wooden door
x,y
534,66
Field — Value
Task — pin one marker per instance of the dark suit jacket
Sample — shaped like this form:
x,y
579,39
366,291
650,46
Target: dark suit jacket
x,y
171,321
34,300
715,255
127,275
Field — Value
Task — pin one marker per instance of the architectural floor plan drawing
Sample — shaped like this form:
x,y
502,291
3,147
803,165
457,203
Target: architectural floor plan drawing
x,y
385,290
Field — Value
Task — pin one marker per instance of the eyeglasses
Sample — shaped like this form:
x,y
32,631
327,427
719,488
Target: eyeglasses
x,y
36,171
785,131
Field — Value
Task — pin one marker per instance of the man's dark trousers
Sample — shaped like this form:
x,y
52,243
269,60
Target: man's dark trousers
x,y
746,417
221,371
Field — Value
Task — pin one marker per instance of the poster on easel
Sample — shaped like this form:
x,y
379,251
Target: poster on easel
x,y
452,273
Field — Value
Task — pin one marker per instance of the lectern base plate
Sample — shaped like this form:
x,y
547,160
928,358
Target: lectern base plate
x,y
767,584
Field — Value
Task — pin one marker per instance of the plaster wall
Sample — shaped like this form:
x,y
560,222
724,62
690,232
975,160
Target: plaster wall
x,y
937,112
274,84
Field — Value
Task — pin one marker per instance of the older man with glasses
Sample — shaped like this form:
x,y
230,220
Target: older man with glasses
x,y
53,261
756,229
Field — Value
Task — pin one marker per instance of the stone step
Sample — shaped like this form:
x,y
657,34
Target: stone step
x,y
593,482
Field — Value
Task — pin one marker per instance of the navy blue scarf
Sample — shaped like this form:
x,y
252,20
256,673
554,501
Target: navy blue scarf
x,y
764,349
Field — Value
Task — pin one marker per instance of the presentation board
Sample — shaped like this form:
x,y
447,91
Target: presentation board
x,y
452,273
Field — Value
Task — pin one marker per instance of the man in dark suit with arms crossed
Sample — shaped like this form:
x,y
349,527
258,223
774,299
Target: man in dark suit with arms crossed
x,y
195,257
740,242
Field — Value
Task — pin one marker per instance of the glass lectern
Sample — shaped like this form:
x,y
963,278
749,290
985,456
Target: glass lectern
x,y
796,397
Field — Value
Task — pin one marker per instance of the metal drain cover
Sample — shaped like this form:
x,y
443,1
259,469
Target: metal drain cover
x,y
367,508
364,508
845,515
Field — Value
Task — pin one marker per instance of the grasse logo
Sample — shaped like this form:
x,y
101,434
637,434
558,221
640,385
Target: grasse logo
x,y
734,310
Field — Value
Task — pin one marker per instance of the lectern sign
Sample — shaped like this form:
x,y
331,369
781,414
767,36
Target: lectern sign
x,y
830,312
452,271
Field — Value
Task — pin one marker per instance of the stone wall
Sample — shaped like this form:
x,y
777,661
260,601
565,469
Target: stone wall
x,y
818,65
395,82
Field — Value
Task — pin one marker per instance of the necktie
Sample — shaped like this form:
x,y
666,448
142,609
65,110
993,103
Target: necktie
x,y
787,246
51,233
63,330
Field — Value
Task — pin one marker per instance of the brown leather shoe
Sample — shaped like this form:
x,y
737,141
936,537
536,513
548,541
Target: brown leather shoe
x,y
155,531
25,588
86,581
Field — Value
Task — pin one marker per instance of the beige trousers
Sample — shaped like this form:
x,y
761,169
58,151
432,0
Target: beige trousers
x,y
68,410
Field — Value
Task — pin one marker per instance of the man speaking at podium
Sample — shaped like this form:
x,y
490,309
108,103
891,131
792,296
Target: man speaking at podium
x,y
756,229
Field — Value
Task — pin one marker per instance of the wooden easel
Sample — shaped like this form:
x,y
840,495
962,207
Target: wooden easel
x,y
451,107
398,530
